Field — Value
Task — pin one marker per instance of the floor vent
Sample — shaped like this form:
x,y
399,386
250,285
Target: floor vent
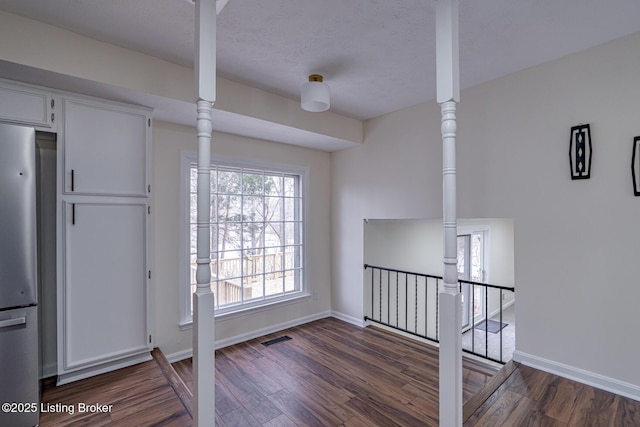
x,y
276,340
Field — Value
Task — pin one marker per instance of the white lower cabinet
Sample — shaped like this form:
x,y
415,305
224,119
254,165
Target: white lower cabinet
x,y
103,319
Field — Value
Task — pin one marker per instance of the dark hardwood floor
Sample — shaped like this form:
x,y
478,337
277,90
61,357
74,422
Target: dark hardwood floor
x,y
139,396
332,373
529,397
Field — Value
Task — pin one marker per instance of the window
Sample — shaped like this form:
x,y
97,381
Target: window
x,y
472,267
257,233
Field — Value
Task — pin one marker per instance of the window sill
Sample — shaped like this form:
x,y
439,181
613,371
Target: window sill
x,y
187,324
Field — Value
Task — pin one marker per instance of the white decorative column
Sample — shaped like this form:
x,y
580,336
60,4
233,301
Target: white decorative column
x,y
450,299
203,299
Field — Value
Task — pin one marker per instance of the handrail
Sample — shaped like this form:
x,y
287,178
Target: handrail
x,y
424,314
488,285
431,276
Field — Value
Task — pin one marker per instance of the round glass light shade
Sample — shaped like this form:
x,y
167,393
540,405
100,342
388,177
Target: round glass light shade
x,y
315,97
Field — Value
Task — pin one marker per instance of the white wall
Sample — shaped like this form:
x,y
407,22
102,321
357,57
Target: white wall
x,y
417,246
385,179
168,141
410,245
576,242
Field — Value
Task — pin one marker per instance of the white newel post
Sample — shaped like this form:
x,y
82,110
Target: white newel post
x,y
448,94
203,299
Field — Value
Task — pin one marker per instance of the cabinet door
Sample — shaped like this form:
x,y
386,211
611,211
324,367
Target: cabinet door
x,y
105,149
24,104
104,297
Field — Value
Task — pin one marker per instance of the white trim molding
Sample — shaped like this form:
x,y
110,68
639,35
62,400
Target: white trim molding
x,y
349,319
622,388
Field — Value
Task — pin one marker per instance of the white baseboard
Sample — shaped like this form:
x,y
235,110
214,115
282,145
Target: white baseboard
x,y
185,354
179,355
622,388
349,319
80,374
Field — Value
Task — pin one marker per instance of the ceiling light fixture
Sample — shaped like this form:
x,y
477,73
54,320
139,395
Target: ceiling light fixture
x,y
315,95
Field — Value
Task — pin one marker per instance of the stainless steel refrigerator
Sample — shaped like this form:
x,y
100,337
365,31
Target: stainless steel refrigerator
x,y
19,385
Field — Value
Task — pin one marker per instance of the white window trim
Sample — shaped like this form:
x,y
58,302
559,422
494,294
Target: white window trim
x,y
187,158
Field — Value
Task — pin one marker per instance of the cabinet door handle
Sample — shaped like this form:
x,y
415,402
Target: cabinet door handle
x,y
72,179
73,214
13,322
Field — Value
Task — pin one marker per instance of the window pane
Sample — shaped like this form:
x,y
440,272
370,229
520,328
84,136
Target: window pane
x,y
290,186
292,280
274,286
229,208
462,257
192,269
252,208
229,291
214,179
292,257
214,240
273,209
229,182
476,257
273,260
293,233
214,209
193,207
193,231
229,236
193,180
273,185
273,234
291,209
252,236
214,266
252,183
253,287
253,264
229,264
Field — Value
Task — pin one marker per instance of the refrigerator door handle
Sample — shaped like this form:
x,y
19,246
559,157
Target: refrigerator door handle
x,y
13,322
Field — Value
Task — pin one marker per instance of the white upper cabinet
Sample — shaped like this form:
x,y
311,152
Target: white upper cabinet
x,y
106,148
26,105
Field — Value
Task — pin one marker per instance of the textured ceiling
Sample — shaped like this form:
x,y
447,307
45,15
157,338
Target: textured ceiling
x,y
377,56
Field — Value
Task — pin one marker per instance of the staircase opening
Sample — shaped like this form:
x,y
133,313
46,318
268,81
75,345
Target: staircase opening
x,y
402,279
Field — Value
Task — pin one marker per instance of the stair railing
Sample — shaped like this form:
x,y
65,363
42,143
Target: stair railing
x,y
407,301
